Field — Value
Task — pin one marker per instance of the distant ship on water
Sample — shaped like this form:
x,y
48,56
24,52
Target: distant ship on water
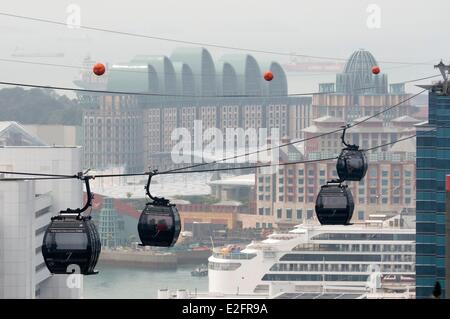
x,y
310,65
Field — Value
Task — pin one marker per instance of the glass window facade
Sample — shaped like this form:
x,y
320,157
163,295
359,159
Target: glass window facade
x,y
433,163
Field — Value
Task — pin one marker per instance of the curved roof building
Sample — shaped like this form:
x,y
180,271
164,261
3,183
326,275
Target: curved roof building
x,y
161,73
185,79
248,73
278,86
357,77
192,72
202,66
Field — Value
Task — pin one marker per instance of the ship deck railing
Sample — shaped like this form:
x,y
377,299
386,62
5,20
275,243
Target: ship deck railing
x,y
239,256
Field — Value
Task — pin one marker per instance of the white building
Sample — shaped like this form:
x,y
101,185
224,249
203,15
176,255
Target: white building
x,y
25,211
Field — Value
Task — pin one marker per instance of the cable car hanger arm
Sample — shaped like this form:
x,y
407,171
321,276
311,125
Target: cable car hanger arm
x,y
158,201
90,196
349,146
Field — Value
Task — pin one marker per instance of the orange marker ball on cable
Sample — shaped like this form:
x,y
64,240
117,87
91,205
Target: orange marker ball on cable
x,y
99,69
376,70
268,76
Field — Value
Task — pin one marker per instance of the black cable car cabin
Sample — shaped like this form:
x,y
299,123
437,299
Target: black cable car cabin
x,y
71,242
159,224
352,162
334,204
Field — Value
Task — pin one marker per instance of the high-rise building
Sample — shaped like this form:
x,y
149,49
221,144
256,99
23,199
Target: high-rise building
x,y
433,164
25,211
113,135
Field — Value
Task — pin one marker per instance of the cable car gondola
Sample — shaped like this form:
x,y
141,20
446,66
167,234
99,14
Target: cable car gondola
x,y
159,224
352,162
334,204
72,239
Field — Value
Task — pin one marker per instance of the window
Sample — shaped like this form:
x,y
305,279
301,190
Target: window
x,y
279,213
361,215
309,214
258,225
261,211
299,214
289,213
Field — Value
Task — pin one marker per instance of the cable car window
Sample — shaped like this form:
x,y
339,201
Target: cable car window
x,y
335,201
66,241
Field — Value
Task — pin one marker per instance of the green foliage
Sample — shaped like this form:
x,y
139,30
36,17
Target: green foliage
x,y
38,106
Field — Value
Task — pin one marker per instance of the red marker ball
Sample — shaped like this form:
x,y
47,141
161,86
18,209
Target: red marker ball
x,y
268,76
99,69
376,70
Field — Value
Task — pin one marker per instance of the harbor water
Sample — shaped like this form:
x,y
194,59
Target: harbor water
x,y
117,282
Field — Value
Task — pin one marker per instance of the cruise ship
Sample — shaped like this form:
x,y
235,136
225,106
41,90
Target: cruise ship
x,y
314,258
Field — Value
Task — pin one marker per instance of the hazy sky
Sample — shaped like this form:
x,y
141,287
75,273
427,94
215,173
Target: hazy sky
x,y
414,31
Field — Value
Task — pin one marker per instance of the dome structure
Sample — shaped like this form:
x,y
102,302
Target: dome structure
x,y
360,61
357,77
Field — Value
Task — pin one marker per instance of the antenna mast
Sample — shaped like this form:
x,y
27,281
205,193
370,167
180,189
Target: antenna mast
x,y
445,70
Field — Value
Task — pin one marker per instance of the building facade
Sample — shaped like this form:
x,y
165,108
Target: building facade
x,y
25,211
433,164
358,93
186,87
290,193
113,135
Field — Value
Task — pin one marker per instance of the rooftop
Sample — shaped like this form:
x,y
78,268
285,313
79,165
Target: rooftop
x,y
13,134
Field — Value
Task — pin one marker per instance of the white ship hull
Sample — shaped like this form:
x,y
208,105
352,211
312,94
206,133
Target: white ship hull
x,y
308,259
